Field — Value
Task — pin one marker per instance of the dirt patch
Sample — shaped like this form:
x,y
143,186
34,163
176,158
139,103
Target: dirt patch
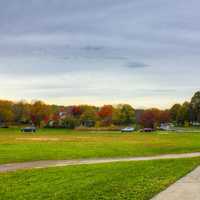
x,y
38,139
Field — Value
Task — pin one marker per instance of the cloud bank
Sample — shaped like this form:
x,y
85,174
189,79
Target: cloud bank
x,y
141,52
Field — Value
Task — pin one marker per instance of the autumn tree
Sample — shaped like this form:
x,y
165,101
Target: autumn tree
x,y
105,114
6,113
39,110
21,112
150,118
76,111
164,116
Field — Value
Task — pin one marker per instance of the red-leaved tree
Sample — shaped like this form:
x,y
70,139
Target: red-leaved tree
x,y
76,111
150,118
105,114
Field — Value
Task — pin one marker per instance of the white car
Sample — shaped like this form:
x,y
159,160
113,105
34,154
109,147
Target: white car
x,y
127,129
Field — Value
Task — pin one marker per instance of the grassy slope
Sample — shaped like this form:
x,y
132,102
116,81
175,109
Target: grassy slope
x,y
63,144
131,180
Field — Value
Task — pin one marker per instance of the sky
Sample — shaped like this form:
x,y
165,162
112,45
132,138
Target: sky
x,y
141,52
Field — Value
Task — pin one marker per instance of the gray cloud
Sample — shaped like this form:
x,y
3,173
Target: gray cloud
x,y
137,65
92,48
99,43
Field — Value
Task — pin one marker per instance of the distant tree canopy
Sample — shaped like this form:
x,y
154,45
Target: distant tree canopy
x,y
188,112
21,112
6,112
39,110
148,118
174,111
41,114
105,114
124,115
89,114
195,107
183,114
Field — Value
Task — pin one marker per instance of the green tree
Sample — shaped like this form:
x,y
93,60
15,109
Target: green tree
x,y
183,114
116,118
174,112
195,106
69,122
88,116
124,114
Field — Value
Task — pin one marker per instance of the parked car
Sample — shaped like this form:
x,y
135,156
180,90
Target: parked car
x,y
166,127
147,130
4,126
29,129
127,129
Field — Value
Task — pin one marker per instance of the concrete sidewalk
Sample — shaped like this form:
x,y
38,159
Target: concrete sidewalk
x,y
187,188
56,163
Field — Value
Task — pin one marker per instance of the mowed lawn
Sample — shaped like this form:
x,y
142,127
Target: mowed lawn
x,y
115,181
48,144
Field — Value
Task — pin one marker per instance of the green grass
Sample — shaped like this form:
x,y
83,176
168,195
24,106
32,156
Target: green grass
x,y
64,144
116,181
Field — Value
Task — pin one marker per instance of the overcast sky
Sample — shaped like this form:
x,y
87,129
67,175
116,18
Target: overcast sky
x,y
142,52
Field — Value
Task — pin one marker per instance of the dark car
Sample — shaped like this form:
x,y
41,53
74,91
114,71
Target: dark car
x,y
29,129
4,126
147,130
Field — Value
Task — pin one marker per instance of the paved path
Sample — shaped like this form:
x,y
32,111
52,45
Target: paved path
x,y
187,188
56,163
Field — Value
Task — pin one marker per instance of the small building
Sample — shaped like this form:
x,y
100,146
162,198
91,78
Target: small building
x,y
88,123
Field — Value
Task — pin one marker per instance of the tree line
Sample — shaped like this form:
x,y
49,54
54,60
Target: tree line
x,y
44,115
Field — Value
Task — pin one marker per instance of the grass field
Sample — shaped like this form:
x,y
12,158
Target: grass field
x,y
64,144
130,180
